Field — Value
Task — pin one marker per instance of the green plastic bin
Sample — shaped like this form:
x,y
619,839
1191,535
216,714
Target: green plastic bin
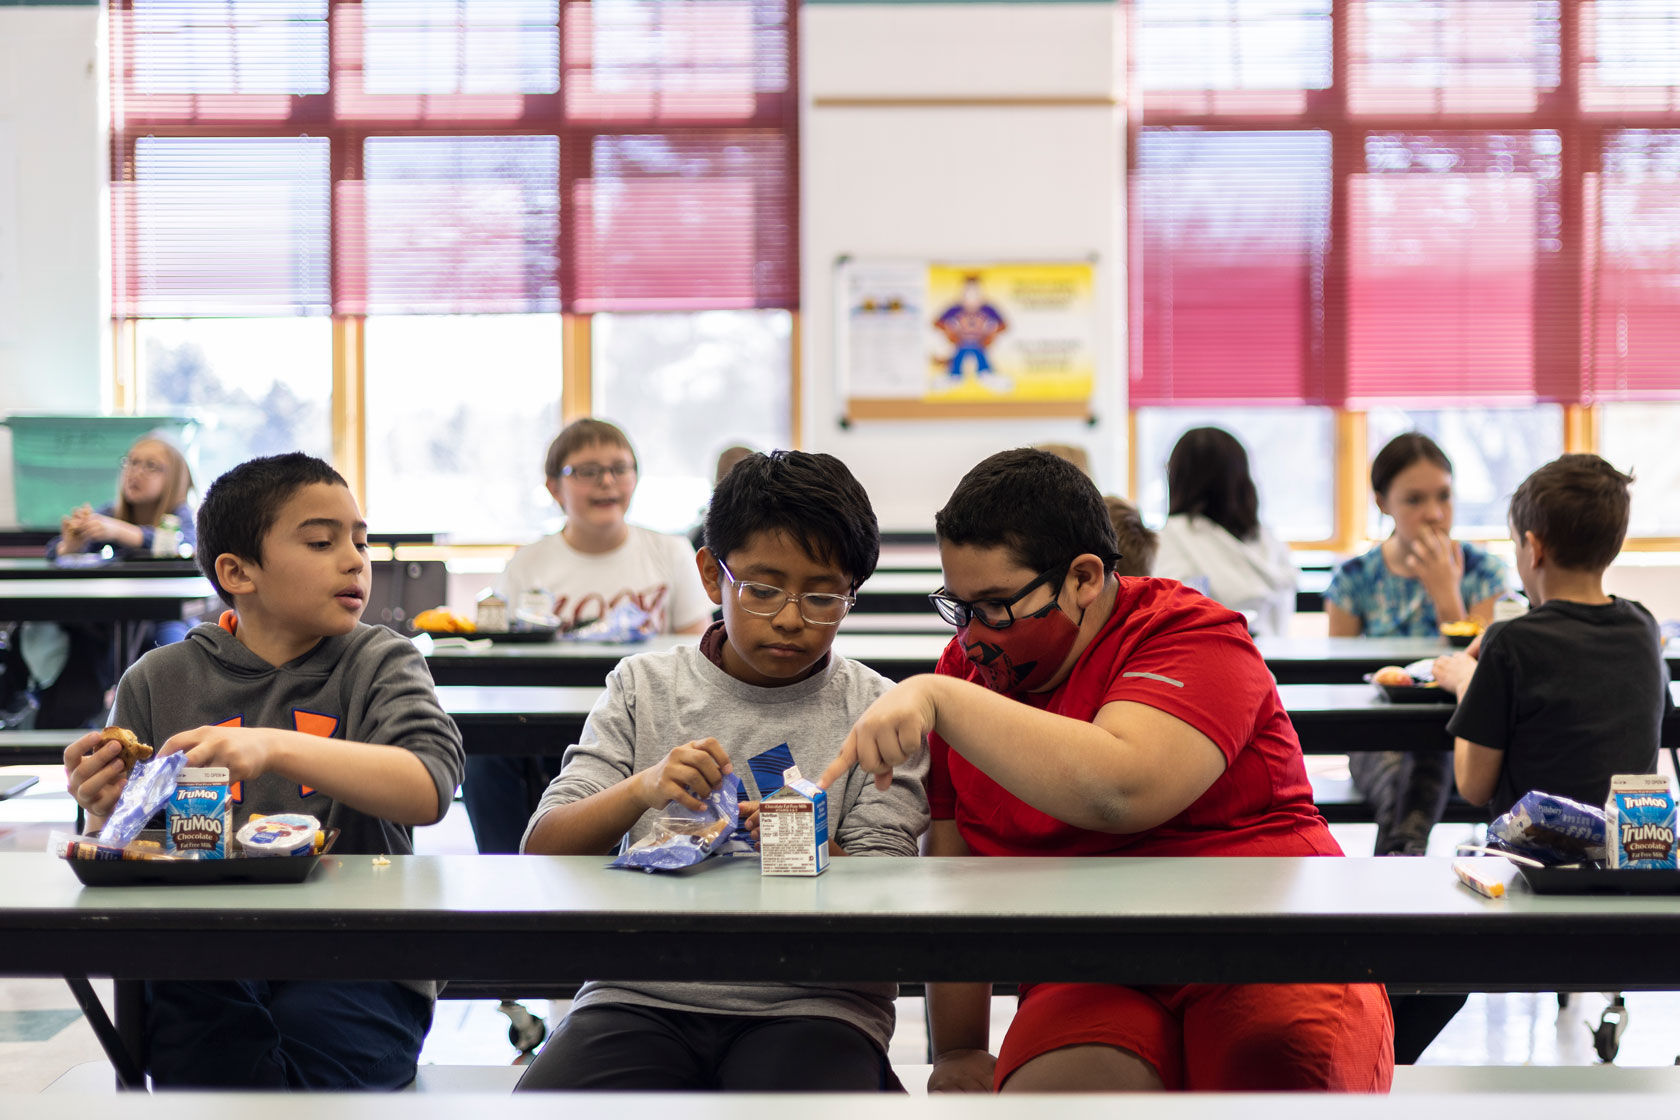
x,y
59,462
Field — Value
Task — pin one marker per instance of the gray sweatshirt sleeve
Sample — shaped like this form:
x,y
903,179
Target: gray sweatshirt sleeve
x,y
603,756
889,823
402,710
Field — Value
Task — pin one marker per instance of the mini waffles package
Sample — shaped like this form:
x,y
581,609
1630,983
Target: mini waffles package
x,y
1551,829
1639,822
682,837
793,827
199,816
150,786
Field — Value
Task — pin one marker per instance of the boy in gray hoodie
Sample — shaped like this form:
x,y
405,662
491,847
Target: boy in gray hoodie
x,y
788,539
312,712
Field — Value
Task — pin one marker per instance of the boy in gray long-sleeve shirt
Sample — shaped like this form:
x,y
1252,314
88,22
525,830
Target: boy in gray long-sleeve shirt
x,y
789,537
310,711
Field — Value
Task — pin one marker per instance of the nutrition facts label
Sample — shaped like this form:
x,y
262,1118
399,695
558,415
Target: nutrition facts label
x,y
787,838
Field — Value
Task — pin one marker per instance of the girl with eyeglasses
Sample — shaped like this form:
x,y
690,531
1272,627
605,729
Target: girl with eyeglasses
x,y
153,482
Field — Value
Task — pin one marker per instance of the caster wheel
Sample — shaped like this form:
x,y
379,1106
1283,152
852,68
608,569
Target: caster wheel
x,y
525,1031
1607,1038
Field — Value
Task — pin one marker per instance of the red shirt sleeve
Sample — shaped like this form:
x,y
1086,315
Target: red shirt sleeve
x,y
1200,666
941,794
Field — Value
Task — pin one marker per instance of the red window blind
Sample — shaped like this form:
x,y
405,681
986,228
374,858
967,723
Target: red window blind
x,y
223,226
1445,288
1231,230
1500,223
1634,326
475,156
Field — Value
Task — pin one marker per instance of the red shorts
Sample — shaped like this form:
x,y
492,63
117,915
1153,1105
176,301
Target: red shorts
x,y
1201,1037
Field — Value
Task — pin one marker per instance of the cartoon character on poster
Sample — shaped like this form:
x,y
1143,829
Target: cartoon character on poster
x,y
970,325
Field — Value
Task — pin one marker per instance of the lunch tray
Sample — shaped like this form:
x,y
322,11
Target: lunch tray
x,y
503,636
195,872
1600,880
1415,694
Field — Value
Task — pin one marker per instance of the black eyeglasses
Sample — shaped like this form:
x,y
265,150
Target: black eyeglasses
x,y
766,600
592,472
997,614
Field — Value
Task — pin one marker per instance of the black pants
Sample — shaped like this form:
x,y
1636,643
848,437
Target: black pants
x,y
1408,791
653,1049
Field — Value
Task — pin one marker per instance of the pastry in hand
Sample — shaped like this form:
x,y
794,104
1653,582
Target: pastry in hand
x,y
133,750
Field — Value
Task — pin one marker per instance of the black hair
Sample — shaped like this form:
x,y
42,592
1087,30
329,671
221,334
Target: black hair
x,y
1038,505
1578,506
1207,476
812,498
1401,452
241,506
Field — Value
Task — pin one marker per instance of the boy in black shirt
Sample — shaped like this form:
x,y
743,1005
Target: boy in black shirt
x,y
1574,691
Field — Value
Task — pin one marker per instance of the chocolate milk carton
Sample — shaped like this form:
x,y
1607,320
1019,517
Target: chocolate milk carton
x,y
199,818
793,827
1639,822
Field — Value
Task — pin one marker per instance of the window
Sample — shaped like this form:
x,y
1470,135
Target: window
x,y
1290,455
430,186
1641,438
468,463
255,386
1465,208
685,387
1492,451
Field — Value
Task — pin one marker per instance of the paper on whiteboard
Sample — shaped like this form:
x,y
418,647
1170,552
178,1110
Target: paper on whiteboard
x,y
882,327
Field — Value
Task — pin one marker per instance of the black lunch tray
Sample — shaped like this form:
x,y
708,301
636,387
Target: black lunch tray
x,y
1600,880
196,872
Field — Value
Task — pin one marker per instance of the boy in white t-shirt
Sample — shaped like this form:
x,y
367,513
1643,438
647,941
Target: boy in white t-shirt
x,y
594,563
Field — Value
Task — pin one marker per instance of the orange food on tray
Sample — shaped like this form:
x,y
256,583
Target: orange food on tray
x,y
442,620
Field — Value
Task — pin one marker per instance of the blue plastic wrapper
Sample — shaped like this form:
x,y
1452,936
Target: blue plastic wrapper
x,y
150,786
681,837
624,623
1551,829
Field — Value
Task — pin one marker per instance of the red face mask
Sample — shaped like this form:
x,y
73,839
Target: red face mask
x,y
1023,656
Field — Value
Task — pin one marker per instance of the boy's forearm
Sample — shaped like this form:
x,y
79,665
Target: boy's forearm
x,y
959,1017
386,782
589,827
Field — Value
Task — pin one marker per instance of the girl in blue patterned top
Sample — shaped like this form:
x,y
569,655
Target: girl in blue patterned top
x,y
1407,586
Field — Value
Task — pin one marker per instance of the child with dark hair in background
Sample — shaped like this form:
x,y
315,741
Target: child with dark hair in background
x,y
311,711
789,537
1570,694
1407,586
1137,541
1213,538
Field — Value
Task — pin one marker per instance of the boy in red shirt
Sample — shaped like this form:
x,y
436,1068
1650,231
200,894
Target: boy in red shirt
x,y
1077,713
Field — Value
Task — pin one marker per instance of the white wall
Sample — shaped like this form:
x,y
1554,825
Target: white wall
x,y
54,343
991,131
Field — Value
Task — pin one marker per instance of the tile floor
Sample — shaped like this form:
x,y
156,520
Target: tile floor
x,y
42,1035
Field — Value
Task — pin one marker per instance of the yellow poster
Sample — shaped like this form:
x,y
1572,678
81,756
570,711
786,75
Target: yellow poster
x,y
1010,332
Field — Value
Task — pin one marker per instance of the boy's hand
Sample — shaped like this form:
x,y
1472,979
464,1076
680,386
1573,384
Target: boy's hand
x,y
1453,672
245,751
687,774
95,776
889,733
749,818
962,1071
1437,562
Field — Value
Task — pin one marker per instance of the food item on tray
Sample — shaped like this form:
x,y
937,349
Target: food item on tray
x,y
1392,676
133,750
442,620
283,834
1462,628
1551,829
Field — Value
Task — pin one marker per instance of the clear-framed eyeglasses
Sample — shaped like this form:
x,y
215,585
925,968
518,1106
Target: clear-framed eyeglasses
x,y
592,472
819,608
145,466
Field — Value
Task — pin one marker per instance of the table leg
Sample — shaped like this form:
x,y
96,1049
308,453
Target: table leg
x,y
120,1049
